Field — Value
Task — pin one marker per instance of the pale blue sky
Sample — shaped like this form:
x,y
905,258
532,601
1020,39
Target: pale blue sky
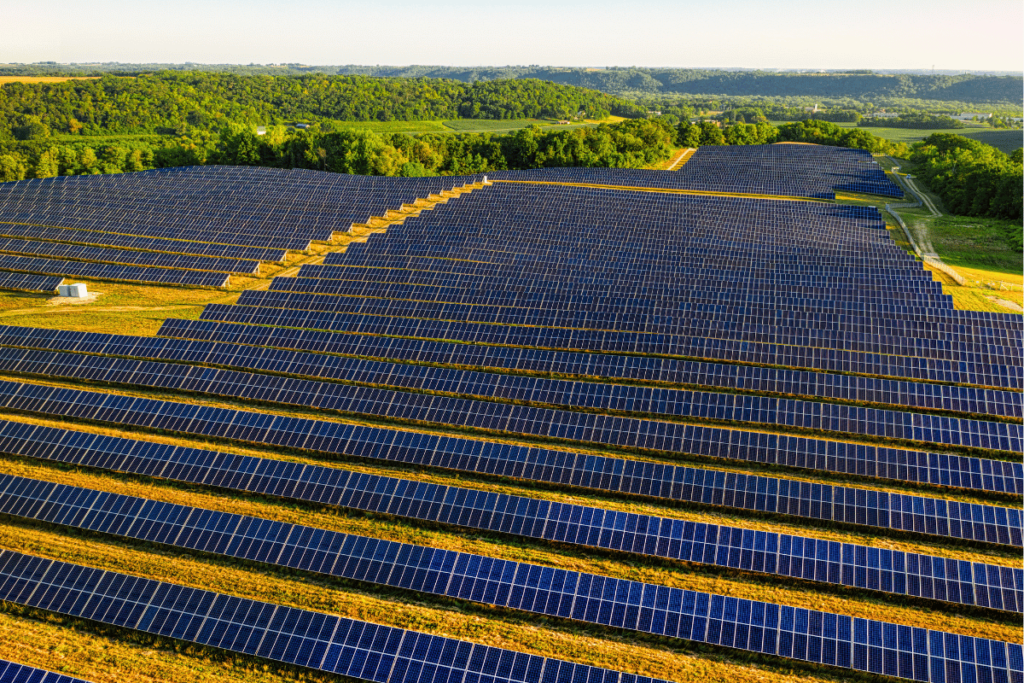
x,y
831,34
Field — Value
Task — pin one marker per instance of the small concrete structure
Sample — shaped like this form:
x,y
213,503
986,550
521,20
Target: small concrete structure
x,y
78,291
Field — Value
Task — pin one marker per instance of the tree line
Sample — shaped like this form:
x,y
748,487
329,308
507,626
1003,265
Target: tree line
x,y
634,143
864,85
810,130
972,178
175,101
918,120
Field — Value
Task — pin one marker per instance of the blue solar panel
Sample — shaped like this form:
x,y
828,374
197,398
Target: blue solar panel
x,y
783,170
885,510
22,282
953,399
322,642
746,550
19,673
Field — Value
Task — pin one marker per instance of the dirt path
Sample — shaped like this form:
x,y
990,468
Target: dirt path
x,y
683,157
1006,304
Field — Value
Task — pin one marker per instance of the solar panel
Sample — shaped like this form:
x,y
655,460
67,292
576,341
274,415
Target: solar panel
x,y
954,399
19,673
691,439
810,559
313,640
22,282
816,171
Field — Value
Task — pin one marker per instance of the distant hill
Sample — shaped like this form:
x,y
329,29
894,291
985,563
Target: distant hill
x,y
204,100
1007,90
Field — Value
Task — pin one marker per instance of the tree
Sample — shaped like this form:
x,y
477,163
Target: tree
x,y
688,135
47,164
711,134
30,128
11,168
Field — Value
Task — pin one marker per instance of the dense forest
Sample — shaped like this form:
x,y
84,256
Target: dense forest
x,y
860,84
972,178
173,101
633,143
630,144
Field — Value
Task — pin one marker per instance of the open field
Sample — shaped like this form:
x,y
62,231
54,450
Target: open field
x,y
409,127
1004,140
44,79
506,126
463,125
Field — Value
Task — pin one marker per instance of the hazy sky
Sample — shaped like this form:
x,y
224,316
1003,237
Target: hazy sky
x,y
897,34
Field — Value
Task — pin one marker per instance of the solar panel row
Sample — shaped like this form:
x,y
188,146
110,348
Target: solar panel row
x,y
864,460
849,337
751,169
970,367
936,517
731,444
105,239
875,569
132,258
587,395
202,339
590,598
18,673
23,282
99,271
313,640
269,208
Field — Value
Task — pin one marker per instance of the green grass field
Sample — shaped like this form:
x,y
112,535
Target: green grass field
x,y
410,127
1005,140
976,248
505,126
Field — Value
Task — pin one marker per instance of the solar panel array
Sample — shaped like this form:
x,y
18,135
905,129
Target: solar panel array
x,y
731,444
248,206
18,673
882,570
313,640
743,624
784,170
529,362
132,258
23,282
159,225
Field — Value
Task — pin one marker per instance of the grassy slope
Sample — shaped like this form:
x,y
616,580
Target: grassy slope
x,y
975,247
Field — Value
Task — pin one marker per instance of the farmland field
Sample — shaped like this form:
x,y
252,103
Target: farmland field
x,y
647,429
1004,140
44,79
410,127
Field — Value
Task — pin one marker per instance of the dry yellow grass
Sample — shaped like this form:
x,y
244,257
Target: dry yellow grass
x,y
44,79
